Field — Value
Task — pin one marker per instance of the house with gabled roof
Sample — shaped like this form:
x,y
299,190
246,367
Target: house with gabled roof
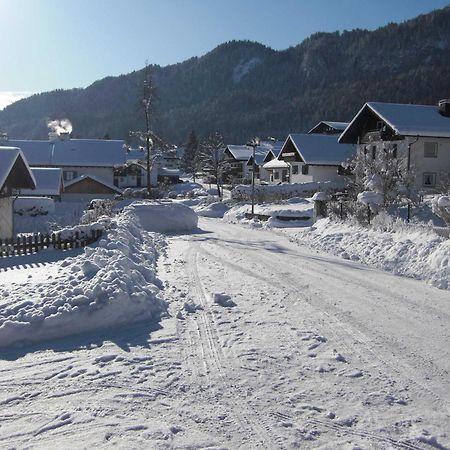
x,y
315,157
88,187
328,127
419,134
75,157
15,174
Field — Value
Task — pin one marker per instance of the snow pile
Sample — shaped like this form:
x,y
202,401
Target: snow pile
x,y
298,213
372,199
410,250
216,210
187,190
441,207
277,191
110,285
34,206
164,217
84,229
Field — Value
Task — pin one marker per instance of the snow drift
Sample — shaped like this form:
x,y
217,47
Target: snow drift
x,y
164,217
109,285
215,210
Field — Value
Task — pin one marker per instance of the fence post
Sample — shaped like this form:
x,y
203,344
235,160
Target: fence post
x,y
368,214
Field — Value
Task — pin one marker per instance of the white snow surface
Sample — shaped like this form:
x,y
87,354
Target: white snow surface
x,y
316,353
107,285
164,217
414,251
34,205
216,209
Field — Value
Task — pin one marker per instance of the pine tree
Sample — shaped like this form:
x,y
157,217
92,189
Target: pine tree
x,y
189,161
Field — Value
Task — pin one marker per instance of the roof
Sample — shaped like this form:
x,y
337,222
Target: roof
x,y
321,149
48,182
338,126
72,152
136,154
94,178
240,152
165,172
404,119
276,164
13,161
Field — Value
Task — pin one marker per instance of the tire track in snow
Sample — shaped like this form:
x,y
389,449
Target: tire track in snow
x,y
246,416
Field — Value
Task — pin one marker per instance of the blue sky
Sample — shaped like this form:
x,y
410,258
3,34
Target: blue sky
x,y
49,44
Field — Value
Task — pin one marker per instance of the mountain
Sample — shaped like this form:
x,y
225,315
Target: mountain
x,y
244,89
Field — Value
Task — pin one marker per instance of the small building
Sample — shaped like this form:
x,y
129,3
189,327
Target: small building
x,y
15,174
88,187
315,157
419,134
49,183
278,171
327,127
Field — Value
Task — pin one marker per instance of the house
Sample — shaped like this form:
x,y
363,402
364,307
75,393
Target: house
x,y
240,161
75,157
49,183
420,134
312,158
15,174
263,153
326,127
88,187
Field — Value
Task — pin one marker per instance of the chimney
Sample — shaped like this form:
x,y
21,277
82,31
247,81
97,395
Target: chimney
x,y
444,107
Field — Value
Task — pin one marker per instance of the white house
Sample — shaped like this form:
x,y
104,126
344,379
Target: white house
x,y
15,174
419,134
76,157
314,157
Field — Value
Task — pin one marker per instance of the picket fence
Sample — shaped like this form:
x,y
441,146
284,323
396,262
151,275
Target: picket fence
x,y
23,245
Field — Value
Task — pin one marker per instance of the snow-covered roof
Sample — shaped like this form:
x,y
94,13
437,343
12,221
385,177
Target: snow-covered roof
x,y
94,178
11,157
404,119
336,126
165,172
276,164
48,182
240,152
72,152
136,154
320,149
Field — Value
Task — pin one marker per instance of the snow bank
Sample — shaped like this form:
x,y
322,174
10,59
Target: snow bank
x,y
272,192
301,209
110,285
410,250
216,210
164,217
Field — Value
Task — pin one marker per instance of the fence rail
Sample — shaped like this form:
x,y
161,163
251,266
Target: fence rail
x,y
24,245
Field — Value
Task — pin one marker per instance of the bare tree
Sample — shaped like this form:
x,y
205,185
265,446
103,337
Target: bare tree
x,y
154,145
211,158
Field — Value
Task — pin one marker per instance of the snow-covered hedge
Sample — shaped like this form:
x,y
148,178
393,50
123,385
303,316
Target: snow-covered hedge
x,y
108,285
34,206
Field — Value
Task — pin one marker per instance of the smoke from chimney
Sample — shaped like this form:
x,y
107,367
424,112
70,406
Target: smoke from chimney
x,y
62,126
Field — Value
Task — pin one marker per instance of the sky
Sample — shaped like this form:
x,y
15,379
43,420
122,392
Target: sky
x,y
52,44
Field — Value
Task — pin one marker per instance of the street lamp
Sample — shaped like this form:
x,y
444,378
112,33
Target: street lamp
x,y
253,143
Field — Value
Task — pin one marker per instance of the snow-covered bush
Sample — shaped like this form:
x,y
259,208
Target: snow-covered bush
x,y
97,209
34,206
441,207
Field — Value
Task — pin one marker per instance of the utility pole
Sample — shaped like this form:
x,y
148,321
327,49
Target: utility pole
x,y
253,143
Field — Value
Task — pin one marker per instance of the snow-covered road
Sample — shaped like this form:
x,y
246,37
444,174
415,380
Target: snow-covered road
x,y
312,351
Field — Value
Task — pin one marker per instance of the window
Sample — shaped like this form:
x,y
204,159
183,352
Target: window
x,y
305,169
69,175
295,170
276,175
429,179
430,149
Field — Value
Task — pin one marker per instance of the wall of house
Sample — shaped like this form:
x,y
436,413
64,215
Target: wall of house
x,y
315,174
6,218
103,173
438,167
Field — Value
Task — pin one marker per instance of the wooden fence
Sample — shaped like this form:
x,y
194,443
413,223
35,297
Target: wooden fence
x,y
23,245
